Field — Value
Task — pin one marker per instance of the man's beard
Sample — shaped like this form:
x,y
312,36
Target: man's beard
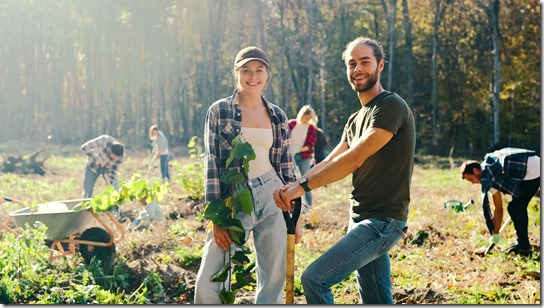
x,y
373,78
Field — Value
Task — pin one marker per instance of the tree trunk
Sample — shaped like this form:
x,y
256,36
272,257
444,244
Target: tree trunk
x,y
310,5
438,14
407,24
496,80
390,10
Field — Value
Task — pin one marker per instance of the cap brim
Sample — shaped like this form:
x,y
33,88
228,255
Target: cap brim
x,y
241,63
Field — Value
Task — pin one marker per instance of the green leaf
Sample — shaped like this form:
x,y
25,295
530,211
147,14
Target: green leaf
x,y
236,139
212,208
192,142
238,238
240,281
244,249
227,297
248,151
236,229
229,160
221,275
236,232
229,176
249,268
245,199
240,258
237,151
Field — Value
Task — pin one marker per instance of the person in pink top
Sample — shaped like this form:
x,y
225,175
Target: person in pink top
x,y
303,138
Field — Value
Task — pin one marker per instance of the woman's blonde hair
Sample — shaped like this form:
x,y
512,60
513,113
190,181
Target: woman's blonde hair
x,y
151,129
307,109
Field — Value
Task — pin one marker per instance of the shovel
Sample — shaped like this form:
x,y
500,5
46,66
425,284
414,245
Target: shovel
x,y
291,222
506,222
150,167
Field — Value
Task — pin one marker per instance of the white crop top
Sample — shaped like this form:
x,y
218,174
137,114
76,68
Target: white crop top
x,y
261,141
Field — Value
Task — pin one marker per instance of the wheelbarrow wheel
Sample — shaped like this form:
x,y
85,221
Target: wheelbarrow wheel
x,y
104,254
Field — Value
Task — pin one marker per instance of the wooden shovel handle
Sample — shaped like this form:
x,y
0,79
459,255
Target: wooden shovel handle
x,y
290,270
291,222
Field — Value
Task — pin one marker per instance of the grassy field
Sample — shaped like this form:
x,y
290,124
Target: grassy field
x,y
443,269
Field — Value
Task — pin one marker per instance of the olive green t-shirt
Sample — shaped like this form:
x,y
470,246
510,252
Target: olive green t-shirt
x,y
381,186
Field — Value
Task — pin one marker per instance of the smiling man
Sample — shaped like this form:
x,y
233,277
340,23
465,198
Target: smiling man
x,y
377,149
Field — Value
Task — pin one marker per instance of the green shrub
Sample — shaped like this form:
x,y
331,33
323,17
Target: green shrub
x,y
191,176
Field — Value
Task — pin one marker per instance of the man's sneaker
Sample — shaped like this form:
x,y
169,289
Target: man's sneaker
x,y
516,249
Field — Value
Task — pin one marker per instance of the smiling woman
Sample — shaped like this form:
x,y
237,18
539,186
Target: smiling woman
x,y
264,126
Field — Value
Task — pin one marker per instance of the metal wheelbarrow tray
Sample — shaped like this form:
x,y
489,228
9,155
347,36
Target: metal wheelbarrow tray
x,y
69,227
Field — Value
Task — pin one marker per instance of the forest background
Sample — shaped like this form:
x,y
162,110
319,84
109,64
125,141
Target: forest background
x,y
71,70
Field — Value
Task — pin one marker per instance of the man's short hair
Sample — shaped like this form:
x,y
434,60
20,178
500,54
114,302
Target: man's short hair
x,y
117,149
379,53
468,166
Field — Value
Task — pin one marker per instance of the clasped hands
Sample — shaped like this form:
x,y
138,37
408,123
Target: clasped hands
x,y
285,195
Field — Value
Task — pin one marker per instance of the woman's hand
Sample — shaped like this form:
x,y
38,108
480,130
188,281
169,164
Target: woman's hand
x,y
222,237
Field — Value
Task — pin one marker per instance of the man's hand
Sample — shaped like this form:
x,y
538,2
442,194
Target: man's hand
x,y
100,162
496,238
222,237
286,194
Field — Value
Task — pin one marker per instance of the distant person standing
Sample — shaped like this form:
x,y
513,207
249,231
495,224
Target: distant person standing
x,y
105,155
160,149
511,171
303,137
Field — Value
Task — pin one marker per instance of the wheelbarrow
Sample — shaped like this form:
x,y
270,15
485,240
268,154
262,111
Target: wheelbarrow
x,y
67,223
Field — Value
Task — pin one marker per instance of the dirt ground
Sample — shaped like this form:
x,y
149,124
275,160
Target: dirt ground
x,y
320,230
142,260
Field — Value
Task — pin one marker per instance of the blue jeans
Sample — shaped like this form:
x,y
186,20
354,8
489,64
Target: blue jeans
x,y
89,180
304,165
517,208
364,250
270,240
164,166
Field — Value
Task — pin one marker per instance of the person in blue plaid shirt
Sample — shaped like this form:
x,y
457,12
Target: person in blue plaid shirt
x,y
105,155
264,126
511,171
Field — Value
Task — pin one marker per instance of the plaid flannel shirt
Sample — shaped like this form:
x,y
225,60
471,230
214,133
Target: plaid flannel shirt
x,y
98,158
503,170
311,137
223,123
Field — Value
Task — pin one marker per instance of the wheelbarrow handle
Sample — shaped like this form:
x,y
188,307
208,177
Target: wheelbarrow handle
x,y
9,199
